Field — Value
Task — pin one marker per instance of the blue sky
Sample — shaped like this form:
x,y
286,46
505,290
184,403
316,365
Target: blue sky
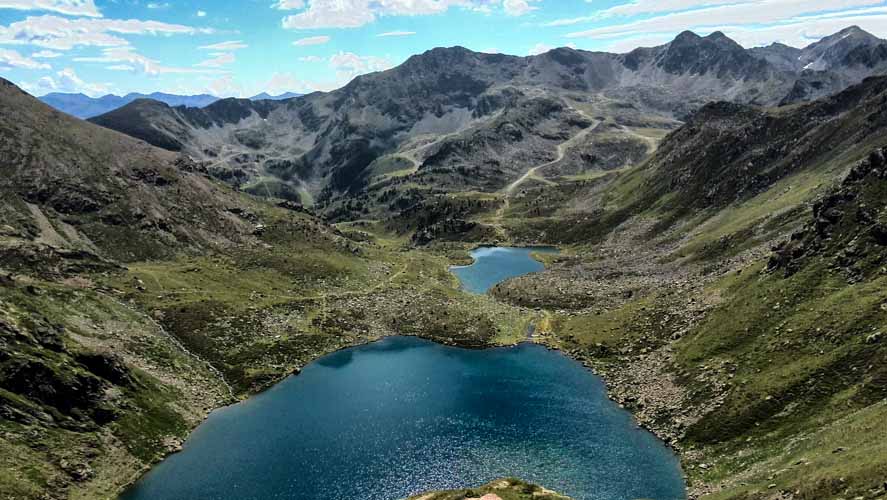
x,y
241,48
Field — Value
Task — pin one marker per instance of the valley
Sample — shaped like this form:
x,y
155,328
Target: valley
x,y
721,229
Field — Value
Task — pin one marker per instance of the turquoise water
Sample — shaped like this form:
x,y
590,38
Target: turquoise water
x,y
494,265
403,415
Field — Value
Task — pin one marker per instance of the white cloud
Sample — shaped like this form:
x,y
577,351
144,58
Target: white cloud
x,y
571,21
658,6
348,64
804,31
222,55
12,59
284,82
311,59
312,40
743,13
219,59
332,14
146,65
46,54
67,7
226,86
289,4
60,33
225,46
629,44
121,67
793,23
201,13
158,5
65,80
320,14
396,33
539,48
518,7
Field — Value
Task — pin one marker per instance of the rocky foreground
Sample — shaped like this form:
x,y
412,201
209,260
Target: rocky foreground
x,y
503,489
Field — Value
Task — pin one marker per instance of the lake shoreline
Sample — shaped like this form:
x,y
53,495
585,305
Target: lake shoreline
x,y
611,389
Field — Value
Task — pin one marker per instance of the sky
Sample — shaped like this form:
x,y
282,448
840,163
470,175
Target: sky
x,y
242,48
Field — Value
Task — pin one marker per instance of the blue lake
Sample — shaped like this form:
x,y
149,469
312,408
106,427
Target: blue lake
x,y
403,415
492,265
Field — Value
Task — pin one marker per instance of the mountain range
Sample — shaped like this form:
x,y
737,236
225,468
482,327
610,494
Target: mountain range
x,y
721,214
84,106
453,105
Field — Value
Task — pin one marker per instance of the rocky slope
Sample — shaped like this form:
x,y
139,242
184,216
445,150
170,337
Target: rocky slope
x,y
730,153
70,186
834,62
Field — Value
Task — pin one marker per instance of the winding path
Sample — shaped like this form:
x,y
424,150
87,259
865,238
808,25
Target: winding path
x,y
561,153
562,149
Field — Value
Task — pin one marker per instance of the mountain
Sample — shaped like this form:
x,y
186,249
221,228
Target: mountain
x,y
331,147
835,51
281,97
779,55
840,51
83,106
88,188
824,67
715,54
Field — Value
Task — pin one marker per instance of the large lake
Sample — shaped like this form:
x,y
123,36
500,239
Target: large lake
x,y
404,415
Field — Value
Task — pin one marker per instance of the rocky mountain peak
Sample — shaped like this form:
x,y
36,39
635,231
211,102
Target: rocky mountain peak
x,y
720,37
716,53
780,55
440,55
686,37
857,33
833,50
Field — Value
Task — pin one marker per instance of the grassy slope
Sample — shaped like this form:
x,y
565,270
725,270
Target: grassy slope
x,y
48,449
260,314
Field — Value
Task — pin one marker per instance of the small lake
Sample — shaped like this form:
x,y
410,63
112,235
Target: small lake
x,y
403,415
493,265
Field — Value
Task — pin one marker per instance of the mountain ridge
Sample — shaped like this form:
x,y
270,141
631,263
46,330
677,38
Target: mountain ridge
x,y
340,134
84,106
